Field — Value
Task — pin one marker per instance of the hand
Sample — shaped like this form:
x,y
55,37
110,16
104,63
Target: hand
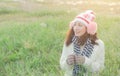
x,y
79,59
70,59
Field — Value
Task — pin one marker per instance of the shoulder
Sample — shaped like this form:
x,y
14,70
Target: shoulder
x,y
99,46
68,48
99,49
65,46
100,42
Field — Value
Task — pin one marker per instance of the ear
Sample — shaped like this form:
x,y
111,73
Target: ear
x,y
92,28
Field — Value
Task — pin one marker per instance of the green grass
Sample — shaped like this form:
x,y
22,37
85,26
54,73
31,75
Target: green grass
x,y
31,41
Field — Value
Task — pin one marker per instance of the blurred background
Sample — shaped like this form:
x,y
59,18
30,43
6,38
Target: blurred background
x,y
32,34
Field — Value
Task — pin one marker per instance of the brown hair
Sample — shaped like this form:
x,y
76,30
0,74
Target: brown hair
x,y
82,39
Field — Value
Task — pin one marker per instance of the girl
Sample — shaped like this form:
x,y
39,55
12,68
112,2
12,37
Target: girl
x,y
82,52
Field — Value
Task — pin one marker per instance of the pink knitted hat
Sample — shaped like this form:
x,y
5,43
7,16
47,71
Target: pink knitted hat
x,y
86,18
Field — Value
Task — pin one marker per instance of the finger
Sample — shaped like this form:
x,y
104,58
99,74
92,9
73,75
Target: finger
x,y
71,57
78,57
70,62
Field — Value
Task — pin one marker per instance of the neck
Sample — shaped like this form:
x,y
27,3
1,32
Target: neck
x,y
83,38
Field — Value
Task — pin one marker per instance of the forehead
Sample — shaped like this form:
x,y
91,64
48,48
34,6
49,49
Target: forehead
x,y
77,22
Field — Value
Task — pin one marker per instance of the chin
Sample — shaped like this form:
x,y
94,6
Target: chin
x,y
77,35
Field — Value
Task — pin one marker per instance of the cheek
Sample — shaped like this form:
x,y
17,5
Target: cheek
x,y
73,29
83,30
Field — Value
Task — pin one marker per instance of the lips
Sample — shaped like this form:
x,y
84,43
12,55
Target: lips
x,y
77,32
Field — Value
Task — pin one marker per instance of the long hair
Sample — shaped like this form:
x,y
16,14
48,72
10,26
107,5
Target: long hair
x,y
83,38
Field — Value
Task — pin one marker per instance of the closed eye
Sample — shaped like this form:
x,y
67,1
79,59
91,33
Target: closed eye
x,y
80,25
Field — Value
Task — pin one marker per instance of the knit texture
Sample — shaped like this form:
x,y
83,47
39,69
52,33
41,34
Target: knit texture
x,y
79,70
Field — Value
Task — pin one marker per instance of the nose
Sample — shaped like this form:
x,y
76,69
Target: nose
x,y
76,27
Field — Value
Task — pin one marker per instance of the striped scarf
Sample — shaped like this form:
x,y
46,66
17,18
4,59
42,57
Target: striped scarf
x,y
79,70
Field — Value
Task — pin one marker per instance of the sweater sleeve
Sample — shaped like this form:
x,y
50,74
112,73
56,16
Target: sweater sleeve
x,y
65,52
96,61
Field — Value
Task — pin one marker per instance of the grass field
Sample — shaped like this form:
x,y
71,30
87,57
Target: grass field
x,y
32,34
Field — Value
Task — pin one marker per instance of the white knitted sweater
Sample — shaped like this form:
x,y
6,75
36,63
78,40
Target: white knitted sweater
x,y
94,63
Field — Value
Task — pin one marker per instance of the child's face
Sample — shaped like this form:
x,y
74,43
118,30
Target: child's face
x,y
79,29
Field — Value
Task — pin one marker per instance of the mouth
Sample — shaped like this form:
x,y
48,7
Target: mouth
x,y
77,32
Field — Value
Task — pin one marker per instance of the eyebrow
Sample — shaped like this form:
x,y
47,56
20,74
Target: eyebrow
x,y
80,24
